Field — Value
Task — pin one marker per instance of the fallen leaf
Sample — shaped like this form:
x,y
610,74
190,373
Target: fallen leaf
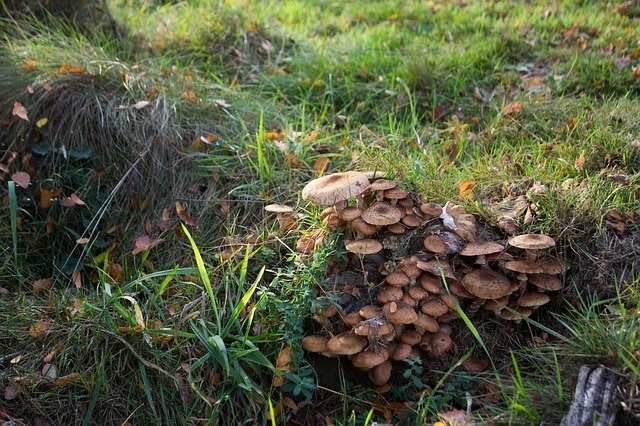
x,y
47,196
116,272
76,277
475,365
22,179
288,402
312,136
42,122
51,355
39,329
465,188
320,165
42,284
146,202
49,371
580,162
16,360
512,108
83,240
70,69
20,111
284,359
4,168
189,95
141,104
10,392
68,379
222,103
31,63
143,243
74,197
184,214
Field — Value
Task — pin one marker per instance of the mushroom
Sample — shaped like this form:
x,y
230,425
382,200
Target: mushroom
x,y
362,228
369,358
532,244
410,337
396,228
427,323
352,318
347,344
485,284
382,214
395,194
286,218
373,328
439,343
366,246
431,209
480,250
336,188
381,373
315,343
533,299
434,306
383,185
401,351
390,294
546,282
523,268
370,311
397,279
399,313
430,282
306,244
517,314
411,220
434,244
349,213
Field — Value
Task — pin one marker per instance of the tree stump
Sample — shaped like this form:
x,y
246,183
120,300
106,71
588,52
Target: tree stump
x,y
595,401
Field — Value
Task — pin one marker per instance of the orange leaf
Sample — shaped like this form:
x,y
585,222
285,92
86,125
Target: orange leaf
x,y
68,379
31,63
20,111
47,196
512,108
39,329
22,179
580,162
320,164
76,277
43,284
145,203
466,188
189,95
312,136
70,69
274,136
184,214
116,272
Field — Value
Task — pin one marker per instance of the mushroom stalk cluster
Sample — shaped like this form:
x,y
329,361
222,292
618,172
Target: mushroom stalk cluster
x,y
419,291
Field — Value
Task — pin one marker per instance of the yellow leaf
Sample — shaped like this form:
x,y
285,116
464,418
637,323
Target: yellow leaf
x,y
83,240
136,311
320,165
312,136
68,379
393,16
466,188
42,122
31,63
39,329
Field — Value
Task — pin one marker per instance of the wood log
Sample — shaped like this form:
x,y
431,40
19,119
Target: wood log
x,y
595,401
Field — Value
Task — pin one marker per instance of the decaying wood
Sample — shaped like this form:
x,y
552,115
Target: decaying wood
x,y
595,401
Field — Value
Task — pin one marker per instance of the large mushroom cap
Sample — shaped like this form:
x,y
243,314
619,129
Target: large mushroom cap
x,y
369,358
546,282
481,248
486,284
347,344
532,241
331,189
381,213
533,299
366,246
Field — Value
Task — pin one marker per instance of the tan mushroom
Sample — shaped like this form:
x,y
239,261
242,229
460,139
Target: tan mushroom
x,y
396,228
397,279
369,358
481,249
418,293
383,185
434,306
552,266
434,244
370,311
399,313
523,268
427,323
546,282
532,244
336,188
439,344
517,314
411,220
410,337
366,246
382,214
402,351
347,344
374,327
410,270
431,209
381,373
430,282
486,284
285,215
363,228
306,244
352,318
350,213
390,294
533,299
315,343
395,194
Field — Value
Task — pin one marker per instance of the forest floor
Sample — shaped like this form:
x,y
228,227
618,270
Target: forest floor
x,y
141,278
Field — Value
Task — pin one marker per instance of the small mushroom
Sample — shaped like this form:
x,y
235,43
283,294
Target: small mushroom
x,y
427,323
336,188
347,344
350,213
546,282
374,327
286,217
517,314
396,228
369,358
366,246
418,293
434,306
411,220
399,313
352,318
439,344
410,337
370,311
397,279
395,194
481,249
533,299
431,209
430,283
434,244
381,373
382,214
315,343
532,244
523,268
401,351
486,284
362,228
390,294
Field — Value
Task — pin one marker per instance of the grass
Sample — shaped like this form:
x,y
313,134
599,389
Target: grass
x,y
245,104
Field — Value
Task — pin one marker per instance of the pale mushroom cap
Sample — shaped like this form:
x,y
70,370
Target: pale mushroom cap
x,y
373,327
381,213
373,174
481,248
365,246
533,299
486,284
546,282
382,185
532,241
333,188
347,344
315,343
278,208
524,267
395,194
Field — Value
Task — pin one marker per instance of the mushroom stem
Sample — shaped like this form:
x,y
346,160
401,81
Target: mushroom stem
x,y
531,255
341,205
522,279
474,306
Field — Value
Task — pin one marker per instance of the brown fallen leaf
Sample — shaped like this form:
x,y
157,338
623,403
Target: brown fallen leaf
x,y
320,165
465,188
184,214
22,179
39,329
10,392
76,277
68,379
70,69
512,108
580,162
143,243
42,285
20,111
30,64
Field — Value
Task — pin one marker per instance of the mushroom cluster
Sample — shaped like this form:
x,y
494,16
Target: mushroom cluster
x,y
428,262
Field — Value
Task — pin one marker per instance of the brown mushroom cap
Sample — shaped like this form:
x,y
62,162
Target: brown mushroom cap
x,y
486,284
363,227
382,214
395,194
552,265
533,299
369,358
481,248
418,293
459,290
373,174
431,209
431,283
546,282
396,228
434,306
399,313
370,311
383,185
347,344
427,323
410,337
333,188
439,344
434,244
315,343
306,245
532,241
492,305
278,208
411,220
402,351
397,279
390,294
352,318
350,213
373,327
524,267
365,246
520,312
381,373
